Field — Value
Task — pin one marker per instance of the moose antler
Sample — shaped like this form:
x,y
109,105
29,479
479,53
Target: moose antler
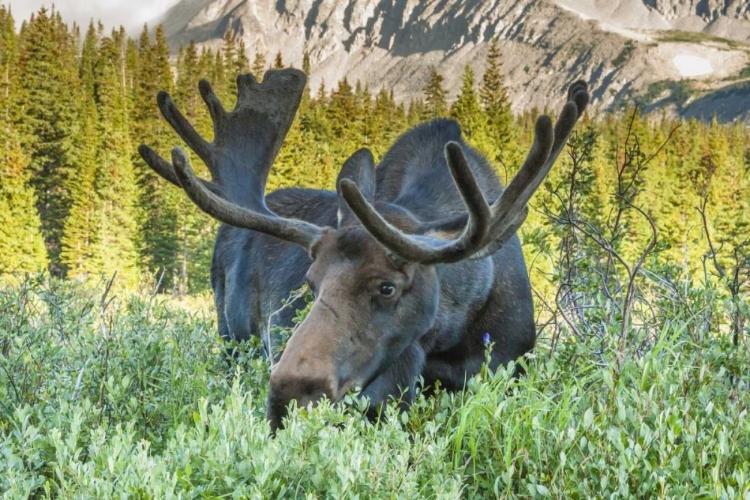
x,y
486,228
246,142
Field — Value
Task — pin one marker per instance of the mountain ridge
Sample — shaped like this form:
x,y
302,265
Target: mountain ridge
x,y
681,56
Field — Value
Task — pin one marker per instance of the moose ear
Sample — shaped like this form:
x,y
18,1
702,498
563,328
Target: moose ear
x,y
360,169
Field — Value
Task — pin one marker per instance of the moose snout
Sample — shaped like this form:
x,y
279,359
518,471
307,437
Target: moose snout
x,y
297,383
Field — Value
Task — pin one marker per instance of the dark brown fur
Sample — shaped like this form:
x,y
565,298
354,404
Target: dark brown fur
x,y
413,271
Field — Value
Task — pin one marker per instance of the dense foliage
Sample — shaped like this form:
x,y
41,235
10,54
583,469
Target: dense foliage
x,y
74,106
104,394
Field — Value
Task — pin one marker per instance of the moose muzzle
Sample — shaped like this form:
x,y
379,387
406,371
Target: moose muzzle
x,y
306,370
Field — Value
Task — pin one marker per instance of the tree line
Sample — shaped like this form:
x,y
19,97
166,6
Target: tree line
x,y
77,199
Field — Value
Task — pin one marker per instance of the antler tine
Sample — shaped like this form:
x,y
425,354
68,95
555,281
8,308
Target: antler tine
x,y
425,250
510,210
215,108
166,170
526,182
577,94
183,128
483,233
245,83
533,168
293,230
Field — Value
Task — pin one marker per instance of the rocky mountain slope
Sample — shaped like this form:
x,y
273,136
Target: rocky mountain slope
x,y
691,57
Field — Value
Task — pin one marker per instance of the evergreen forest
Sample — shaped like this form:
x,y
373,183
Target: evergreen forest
x,y
78,201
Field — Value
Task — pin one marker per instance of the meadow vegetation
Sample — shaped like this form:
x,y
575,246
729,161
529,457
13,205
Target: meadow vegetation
x,y
114,382
112,395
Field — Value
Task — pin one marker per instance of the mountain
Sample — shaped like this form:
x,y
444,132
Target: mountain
x,y
690,57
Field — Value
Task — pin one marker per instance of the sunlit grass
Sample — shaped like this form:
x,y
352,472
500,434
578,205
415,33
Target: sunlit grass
x,y
137,399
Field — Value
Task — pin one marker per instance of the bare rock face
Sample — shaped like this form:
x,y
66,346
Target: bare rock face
x,y
708,10
626,49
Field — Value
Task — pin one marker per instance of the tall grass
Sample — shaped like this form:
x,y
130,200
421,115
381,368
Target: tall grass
x,y
134,398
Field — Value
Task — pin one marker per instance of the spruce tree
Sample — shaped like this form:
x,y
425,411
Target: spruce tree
x,y
494,96
115,183
466,109
160,54
729,189
47,125
305,102
80,242
241,62
229,58
9,69
278,63
502,140
342,109
417,112
259,64
157,204
219,77
194,228
436,104
21,243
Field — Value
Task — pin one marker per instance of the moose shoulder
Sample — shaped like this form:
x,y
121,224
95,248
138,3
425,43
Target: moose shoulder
x,y
411,267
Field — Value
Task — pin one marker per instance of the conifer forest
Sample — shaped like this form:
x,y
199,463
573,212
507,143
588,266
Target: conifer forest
x,y
637,245
79,201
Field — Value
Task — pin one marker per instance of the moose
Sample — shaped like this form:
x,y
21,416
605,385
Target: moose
x,y
415,265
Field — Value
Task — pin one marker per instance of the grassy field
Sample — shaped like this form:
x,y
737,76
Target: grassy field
x,y
131,397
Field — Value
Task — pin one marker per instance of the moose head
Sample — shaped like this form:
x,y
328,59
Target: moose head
x,y
374,274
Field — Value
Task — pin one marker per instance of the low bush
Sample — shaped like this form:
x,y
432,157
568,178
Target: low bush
x,y
133,397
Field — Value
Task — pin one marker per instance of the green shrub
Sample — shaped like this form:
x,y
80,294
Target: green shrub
x,y
136,399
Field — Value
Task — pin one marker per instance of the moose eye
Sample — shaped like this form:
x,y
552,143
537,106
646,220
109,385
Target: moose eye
x,y
387,289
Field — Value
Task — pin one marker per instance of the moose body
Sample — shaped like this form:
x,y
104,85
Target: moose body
x,y
252,273
412,269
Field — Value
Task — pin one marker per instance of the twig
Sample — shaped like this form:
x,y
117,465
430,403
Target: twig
x,y
267,334
103,304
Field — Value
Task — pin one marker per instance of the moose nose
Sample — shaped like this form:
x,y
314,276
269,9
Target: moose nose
x,y
287,385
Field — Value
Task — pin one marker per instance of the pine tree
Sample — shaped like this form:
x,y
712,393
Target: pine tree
x,y
466,109
48,122
259,64
278,63
21,243
115,183
80,242
157,201
436,104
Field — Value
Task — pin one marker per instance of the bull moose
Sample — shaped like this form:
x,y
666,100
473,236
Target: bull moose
x,y
412,269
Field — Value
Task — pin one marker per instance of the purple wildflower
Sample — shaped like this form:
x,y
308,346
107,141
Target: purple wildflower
x,y
486,339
